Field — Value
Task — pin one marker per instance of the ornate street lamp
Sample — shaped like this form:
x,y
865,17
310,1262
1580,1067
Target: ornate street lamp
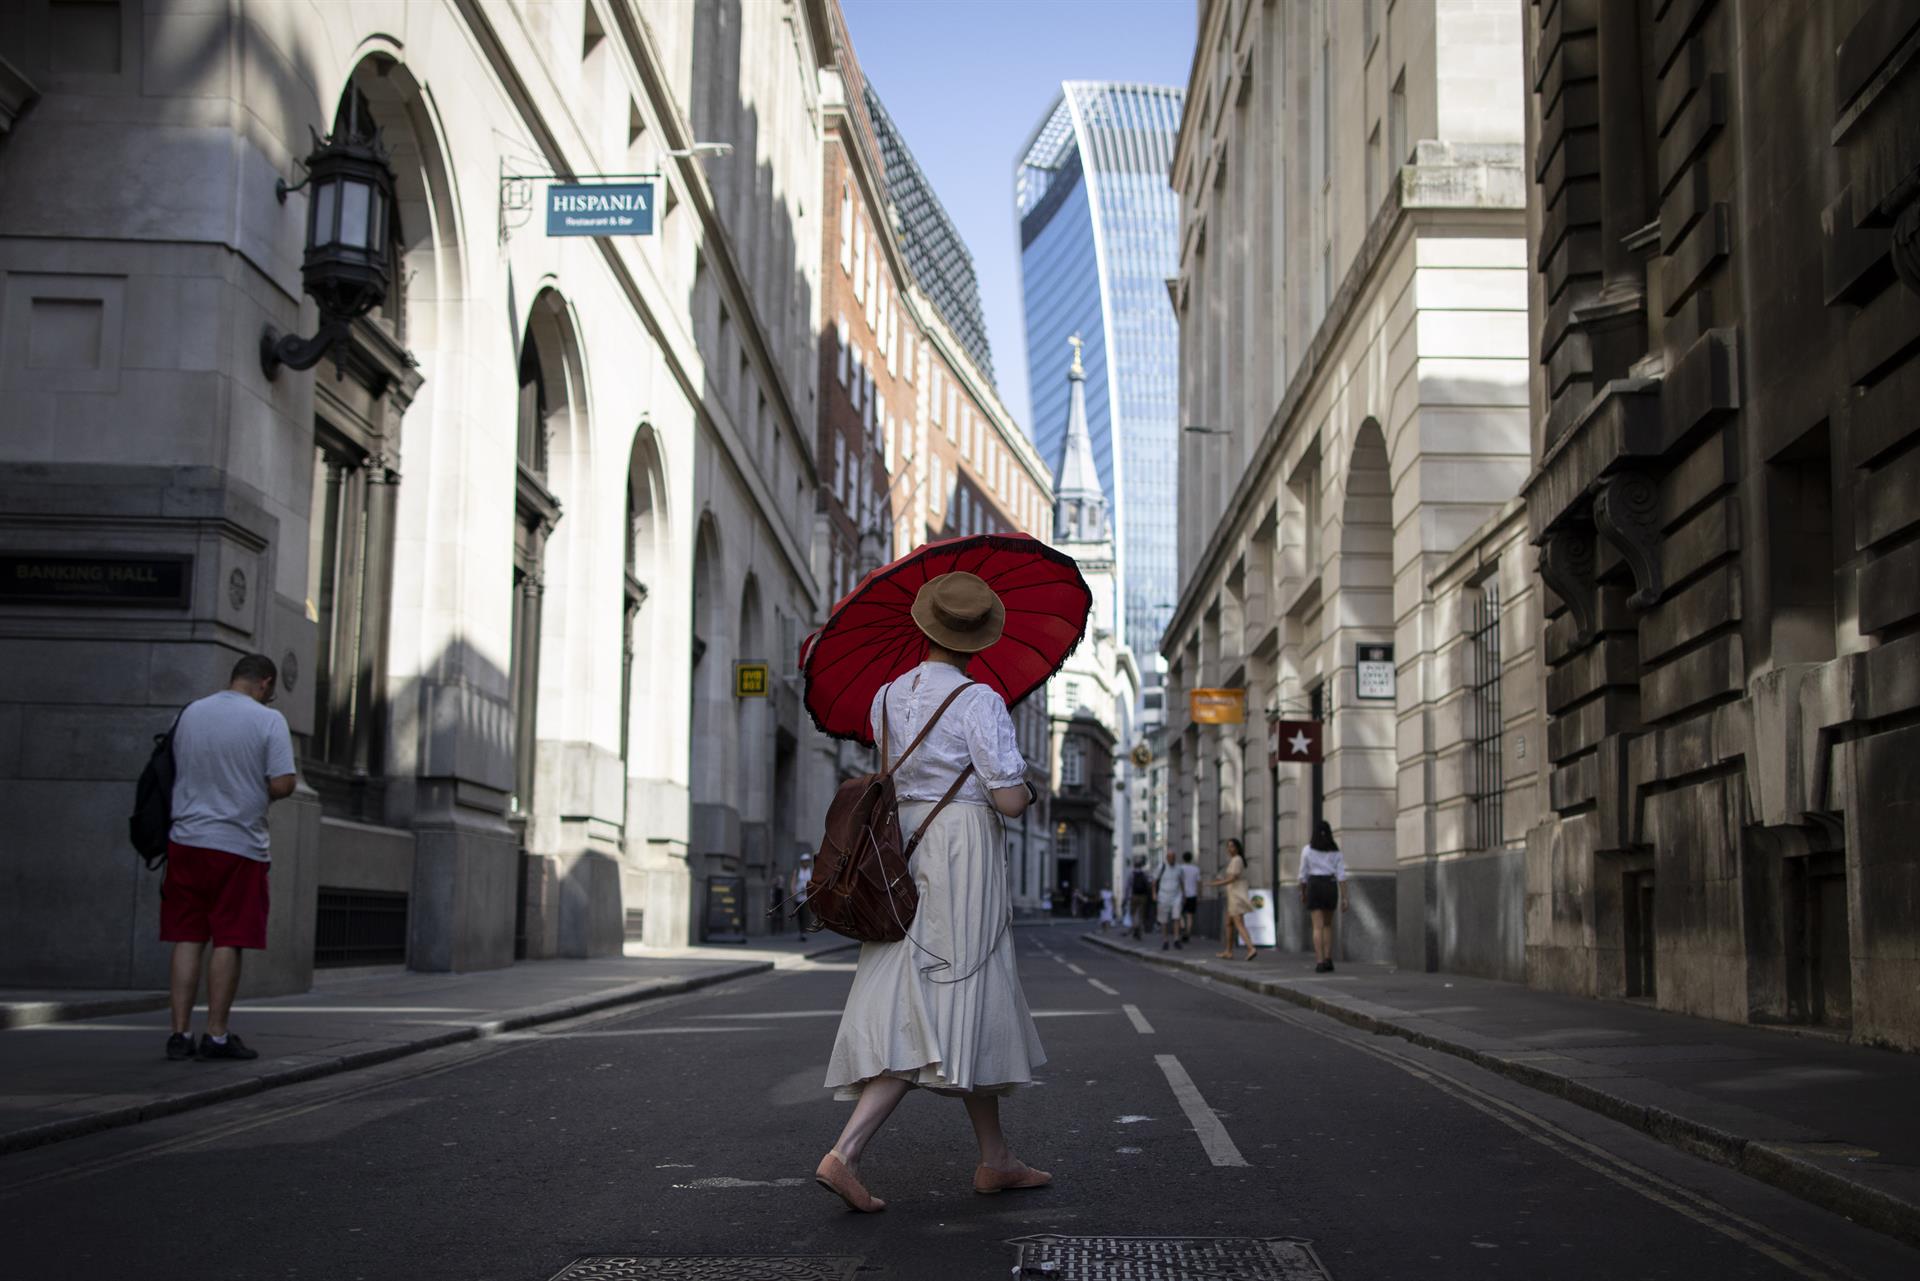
x,y
346,268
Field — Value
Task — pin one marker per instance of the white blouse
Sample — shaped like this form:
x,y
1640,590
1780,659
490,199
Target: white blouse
x,y
1319,862
976,728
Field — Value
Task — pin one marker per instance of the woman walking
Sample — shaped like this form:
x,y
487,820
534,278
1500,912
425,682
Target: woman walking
x,y
1239,901
1323,883
942,1009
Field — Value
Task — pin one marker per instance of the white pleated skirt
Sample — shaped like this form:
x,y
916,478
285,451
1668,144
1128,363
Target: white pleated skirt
x,y
904,1016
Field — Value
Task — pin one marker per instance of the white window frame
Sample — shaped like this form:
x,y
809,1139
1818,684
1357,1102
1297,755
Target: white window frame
x,y
846,231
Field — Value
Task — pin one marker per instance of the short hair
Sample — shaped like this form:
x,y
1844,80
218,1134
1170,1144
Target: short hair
x,y
1187,857
254,667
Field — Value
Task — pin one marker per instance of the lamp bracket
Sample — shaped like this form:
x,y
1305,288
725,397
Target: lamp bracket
x,y
277,349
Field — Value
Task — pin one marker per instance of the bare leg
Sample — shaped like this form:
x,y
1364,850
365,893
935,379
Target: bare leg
x,y
185,983
1322,936
984,1111
223,980
877,1102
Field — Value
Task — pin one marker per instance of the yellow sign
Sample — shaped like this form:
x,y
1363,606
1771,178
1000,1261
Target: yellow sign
x,y
1218,706
749,680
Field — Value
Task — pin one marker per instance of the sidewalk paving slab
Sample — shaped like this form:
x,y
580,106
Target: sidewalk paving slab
x,y
1830,1121
59,1080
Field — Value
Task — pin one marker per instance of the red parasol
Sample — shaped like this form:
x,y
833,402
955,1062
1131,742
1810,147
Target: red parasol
x,y
870,636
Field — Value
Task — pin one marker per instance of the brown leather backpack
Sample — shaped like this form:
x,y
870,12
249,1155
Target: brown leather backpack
x,y
862,886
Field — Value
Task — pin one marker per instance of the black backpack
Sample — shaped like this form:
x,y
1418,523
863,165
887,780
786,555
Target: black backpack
x,y
1142,887
152,818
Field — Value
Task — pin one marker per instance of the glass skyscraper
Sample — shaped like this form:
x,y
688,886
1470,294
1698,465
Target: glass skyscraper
x,y
1099,239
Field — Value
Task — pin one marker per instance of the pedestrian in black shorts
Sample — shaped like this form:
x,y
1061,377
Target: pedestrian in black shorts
x,y
1323,886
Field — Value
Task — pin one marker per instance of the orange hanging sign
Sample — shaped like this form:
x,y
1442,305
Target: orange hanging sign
x,y
1218,706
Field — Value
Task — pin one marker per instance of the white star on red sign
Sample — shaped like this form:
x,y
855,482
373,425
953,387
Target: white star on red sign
x,y
1299,743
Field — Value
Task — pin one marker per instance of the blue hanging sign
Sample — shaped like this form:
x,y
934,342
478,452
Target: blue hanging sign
x,y
600,209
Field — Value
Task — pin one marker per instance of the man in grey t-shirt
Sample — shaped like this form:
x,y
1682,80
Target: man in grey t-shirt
x,y
232,758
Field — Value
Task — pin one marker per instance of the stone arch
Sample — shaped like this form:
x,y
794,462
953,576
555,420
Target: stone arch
x,y
424,312
362,519
1365,575
712,667
553,528
753,724
1360,770
647,535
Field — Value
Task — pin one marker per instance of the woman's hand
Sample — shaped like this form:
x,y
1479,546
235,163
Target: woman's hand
x,y
1012,801
1343,903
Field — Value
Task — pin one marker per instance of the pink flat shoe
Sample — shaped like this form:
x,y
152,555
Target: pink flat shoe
x,y
835,1177
988,1181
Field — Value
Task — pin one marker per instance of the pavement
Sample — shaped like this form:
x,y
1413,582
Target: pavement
x,y
1830,1121
1191,1127
75,1062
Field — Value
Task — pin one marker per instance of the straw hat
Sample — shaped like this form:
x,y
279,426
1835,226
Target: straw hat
x,y
958,611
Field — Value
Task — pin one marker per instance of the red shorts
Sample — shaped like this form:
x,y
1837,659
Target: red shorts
x,y
211,894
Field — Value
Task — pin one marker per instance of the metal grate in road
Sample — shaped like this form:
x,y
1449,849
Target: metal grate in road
x,y
1167,1259
710,1267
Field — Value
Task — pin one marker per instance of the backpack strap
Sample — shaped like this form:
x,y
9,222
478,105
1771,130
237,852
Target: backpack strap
x,y
958,783
924,731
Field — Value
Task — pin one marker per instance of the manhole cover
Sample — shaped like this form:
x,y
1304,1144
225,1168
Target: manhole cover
x,y
710,1267
1167,1259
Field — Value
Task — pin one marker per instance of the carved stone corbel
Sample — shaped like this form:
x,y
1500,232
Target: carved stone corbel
x,y
1626,511
1566,566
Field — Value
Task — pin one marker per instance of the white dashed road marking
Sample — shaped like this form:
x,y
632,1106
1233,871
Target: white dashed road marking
x,y
1138,1020
1213,1135
1110,991
1076,969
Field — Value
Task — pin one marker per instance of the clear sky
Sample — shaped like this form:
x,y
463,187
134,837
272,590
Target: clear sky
x,y
968,81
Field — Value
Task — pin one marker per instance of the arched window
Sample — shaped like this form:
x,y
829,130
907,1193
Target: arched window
x,y
544,391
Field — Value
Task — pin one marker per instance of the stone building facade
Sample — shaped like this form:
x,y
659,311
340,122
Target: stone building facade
x,y
506,545
914,444
1726,488
1352,303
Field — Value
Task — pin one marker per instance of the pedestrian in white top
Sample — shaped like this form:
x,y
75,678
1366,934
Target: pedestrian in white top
x,y
1106,909
1190,895
1323,883
232,758
1170,895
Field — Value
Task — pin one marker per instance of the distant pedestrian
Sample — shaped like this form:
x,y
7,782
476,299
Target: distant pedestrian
x,y
776,901
1139,896
1169,894
232,758
1106,909
802,877
1239,901
1323,884
1190,891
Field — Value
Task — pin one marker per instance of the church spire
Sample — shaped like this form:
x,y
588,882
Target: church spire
x,y
1080,504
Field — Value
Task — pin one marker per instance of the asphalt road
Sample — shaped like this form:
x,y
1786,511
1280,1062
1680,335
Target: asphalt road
x,y
690,1126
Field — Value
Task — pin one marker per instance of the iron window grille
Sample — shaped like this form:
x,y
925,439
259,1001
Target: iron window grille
x,y
1485,774
360,927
